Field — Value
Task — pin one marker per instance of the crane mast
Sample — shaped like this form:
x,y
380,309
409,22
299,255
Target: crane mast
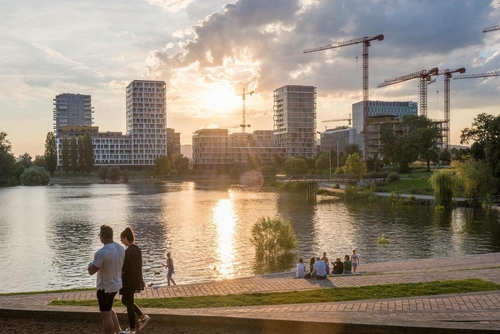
x,y
366,44
243,124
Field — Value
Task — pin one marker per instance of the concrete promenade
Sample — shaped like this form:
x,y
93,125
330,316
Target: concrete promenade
x,y
470,312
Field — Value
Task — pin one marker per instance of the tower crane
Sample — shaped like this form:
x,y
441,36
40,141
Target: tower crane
x,y
366,44
243,124
339,120
488,29
424,75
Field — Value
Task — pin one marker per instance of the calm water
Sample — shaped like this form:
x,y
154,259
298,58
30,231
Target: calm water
x,y
49,234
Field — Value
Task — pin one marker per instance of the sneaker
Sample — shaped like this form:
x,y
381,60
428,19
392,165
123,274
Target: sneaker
x,y
143,322
127,331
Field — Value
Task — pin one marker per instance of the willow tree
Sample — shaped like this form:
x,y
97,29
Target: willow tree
x,y
476,178
444,185
272,236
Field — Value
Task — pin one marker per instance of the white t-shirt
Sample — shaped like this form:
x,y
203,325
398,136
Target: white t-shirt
x,y
301,270
109,260
320,268
355,259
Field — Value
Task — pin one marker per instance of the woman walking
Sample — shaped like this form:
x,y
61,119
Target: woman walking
x,y
132,281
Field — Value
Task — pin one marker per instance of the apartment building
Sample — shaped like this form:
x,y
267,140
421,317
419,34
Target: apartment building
x,y
72,109
210,149
147,120
173,142
295,120
378,108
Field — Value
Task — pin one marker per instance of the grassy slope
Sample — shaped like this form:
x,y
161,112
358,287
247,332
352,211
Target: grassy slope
x,y
311,296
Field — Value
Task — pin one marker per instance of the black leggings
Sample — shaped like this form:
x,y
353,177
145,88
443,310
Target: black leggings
x,y
132,308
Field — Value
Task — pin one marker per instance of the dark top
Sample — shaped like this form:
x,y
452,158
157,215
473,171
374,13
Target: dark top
x,y
132,269
338,267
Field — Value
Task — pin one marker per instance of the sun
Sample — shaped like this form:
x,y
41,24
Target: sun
x,y
220,99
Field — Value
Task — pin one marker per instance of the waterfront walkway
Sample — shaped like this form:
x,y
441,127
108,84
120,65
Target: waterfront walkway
x,y
475,312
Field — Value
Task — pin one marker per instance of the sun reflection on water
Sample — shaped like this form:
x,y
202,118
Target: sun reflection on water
x,y
225,219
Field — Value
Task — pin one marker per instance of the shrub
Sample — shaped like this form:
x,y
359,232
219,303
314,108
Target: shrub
x,y
392,177
113,174
102,172
35,176
125,176
272,236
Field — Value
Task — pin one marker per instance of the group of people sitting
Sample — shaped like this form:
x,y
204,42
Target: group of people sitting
x,y
319,268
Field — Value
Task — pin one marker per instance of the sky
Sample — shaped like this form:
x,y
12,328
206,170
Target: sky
x,y
207,51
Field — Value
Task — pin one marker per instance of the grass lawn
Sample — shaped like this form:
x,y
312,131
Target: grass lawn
x,y
310,296
410,186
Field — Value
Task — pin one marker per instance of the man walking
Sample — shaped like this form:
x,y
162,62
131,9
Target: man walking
x,y
108,263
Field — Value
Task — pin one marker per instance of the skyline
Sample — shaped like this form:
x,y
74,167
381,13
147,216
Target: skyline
x,y
208,50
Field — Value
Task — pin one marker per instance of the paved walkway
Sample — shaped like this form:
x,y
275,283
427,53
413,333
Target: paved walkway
x,y
473,310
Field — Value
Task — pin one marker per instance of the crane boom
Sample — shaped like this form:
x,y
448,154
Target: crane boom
x,y
493,28
345,43
424,75
366,44
477,75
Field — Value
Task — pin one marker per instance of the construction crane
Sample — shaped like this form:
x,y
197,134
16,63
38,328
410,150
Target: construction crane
x,y
366,44
488,29
243,124
424,75
339,120
447,76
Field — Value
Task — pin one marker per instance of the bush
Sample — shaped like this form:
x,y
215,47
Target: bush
x,y
273,236
125,176
35,176
392,177
102,172
113,174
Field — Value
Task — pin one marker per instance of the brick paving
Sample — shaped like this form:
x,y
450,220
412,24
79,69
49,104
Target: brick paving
x,y
472,310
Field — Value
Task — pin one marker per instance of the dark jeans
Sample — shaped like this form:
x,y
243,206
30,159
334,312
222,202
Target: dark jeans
x,y
132,308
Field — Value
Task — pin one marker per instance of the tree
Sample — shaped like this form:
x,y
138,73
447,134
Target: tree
x,y
65,155
113,174
73,155
25,160
51,153
295,166
102,172
35,176
273,236
39,161
322,162
354,165
485,132
445,156
81,155
162,166
180,163
125,176
476,178
444,185
88,153
268,171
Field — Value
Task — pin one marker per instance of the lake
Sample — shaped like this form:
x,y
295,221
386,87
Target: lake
x,y
49,234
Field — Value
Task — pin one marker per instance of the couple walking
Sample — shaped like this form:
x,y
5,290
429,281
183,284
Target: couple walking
x,y
118,270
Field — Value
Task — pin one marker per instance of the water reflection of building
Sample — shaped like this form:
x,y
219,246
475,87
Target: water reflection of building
x,y
146,138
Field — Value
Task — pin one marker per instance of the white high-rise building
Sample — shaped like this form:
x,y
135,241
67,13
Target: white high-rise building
x,y
147,120
295,120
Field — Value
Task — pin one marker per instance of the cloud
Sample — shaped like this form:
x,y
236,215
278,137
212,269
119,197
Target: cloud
x,y
171,5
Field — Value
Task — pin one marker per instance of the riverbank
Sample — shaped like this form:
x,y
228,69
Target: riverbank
x,y
455,313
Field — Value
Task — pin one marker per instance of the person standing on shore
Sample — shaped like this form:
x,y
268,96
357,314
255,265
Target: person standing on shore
x,y
354,260
108,263
132,281
170,269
